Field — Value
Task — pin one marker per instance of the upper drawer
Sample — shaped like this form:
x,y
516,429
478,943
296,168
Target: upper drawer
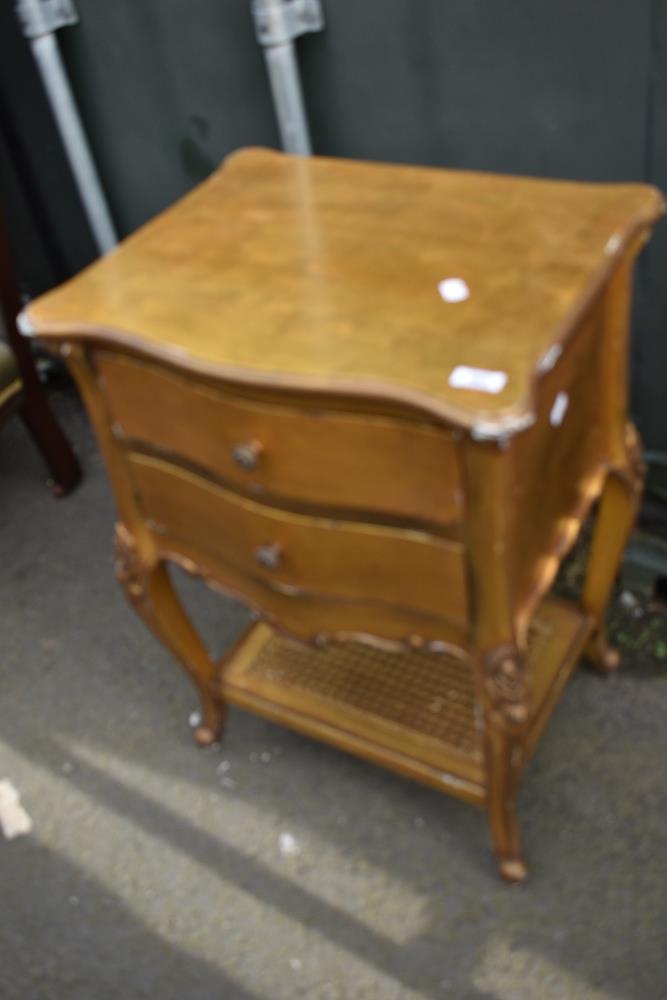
x,y
358,461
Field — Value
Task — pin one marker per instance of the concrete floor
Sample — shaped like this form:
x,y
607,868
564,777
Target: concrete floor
x,y
155,869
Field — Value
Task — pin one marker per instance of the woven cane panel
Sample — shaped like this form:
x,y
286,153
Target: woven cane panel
x,y
428,693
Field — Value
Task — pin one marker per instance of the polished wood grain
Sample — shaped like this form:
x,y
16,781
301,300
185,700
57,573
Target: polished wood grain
x,y
321,274
267,366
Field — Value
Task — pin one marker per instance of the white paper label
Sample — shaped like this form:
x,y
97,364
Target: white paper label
x,y
479,379
559,409
453,290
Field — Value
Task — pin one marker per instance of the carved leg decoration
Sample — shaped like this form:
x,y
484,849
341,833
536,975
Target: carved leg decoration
x,y
152,594
506,718
614,523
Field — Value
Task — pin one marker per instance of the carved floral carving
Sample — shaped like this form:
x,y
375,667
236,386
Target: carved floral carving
x,y
127,565
505,685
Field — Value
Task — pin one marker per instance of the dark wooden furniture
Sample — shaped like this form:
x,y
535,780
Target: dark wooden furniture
x,y
292,406
20,389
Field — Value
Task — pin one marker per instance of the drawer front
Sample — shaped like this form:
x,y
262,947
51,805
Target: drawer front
x,y
341,461
302,557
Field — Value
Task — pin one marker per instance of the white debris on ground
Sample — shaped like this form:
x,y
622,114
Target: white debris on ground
x,y
14,820
629,602
222,770
288,845
295,964
194,719
265,756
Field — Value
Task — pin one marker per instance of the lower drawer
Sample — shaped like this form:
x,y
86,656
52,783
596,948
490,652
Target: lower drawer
x,y
302,557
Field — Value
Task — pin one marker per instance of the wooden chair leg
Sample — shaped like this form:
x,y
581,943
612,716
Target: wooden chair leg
x,y
35,410
151,592
49,437
614,522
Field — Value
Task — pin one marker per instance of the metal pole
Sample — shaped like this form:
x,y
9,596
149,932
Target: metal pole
x,y
39,19
288,98
278,23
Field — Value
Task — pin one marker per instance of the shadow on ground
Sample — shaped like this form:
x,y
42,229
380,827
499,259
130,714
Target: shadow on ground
x,y
156,869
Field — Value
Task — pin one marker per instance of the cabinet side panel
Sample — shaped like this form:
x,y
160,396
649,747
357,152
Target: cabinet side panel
x,y
558,464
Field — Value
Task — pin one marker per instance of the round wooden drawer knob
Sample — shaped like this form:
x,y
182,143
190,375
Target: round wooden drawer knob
x,y
269,556
247,453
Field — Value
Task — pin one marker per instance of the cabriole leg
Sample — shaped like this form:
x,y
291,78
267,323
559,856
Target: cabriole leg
x,y
614,522
152,594
503,763
506,717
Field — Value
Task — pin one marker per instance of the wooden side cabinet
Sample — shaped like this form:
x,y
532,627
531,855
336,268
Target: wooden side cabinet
x,y
376,403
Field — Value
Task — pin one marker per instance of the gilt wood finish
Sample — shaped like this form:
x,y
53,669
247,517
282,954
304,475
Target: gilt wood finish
x,y
267,366
318,273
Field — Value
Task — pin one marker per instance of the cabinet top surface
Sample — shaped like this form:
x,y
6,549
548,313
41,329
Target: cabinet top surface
x,y
333,275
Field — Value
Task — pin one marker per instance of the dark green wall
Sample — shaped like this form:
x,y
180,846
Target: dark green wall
x,y
167,88
565,89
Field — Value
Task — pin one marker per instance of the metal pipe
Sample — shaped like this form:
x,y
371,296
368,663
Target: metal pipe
x,y
47,56
288,98
39,20
277,24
